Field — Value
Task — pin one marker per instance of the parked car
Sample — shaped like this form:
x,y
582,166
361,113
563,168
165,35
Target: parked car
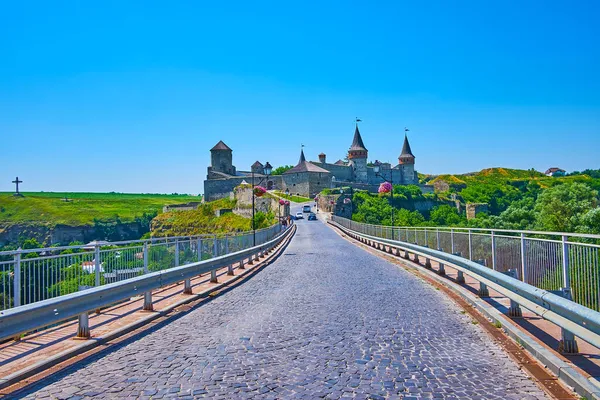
x,y
312,217
299,215
306,209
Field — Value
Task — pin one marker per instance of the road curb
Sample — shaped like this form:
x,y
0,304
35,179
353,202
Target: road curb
x,y
87,345
562,370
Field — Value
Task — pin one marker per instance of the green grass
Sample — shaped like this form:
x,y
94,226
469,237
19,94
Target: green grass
x,y
48,208
295,199
203,221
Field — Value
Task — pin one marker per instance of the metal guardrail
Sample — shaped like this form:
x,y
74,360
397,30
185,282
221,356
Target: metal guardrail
x,y
573,318
22,319
28,276
546,260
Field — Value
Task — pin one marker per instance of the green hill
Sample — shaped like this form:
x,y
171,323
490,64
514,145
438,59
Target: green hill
x,y
50,208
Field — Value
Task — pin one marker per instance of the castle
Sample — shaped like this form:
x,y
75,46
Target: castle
x,y
308,178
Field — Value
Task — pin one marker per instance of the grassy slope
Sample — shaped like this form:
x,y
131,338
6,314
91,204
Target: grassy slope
x,y
295,199
49,208
490,174
203,220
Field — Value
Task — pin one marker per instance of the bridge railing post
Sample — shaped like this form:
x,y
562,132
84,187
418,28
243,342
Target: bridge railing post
x,y
565,263
523,258
17,279
452,241
470,245
97,265
460,276
493,236
199,249
147,295
437,234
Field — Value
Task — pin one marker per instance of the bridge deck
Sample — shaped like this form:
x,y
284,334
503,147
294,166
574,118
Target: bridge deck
x,y
327,319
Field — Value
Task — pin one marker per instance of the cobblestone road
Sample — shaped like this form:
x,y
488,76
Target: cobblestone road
x,y
326,320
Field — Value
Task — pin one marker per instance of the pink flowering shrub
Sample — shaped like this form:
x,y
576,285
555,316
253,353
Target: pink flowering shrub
x,y
385,187
259,191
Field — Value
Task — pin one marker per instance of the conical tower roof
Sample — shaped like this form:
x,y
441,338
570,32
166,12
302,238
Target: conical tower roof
x,y
357,142
220,146
406,151
305,166
302,158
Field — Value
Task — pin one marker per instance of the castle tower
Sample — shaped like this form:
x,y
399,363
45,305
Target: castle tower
x,y
257,167
357,155
221,159
322,158
407,163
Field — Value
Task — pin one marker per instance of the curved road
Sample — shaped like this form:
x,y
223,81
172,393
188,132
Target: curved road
x,y
326,320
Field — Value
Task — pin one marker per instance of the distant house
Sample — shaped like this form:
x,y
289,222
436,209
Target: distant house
x,y
555,172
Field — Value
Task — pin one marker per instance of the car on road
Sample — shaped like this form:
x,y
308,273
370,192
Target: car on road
x,y
312,217
306,209
299,215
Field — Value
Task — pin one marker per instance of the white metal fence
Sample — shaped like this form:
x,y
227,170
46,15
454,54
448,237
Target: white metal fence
x,y
547,260
28,276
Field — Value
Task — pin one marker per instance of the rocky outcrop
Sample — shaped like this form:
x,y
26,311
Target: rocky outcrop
x,y
65,234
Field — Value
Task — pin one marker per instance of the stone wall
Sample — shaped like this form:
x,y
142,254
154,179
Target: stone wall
x,y
215,189
334,203
475,208
182,207
443,186
341,172
266,203
306,184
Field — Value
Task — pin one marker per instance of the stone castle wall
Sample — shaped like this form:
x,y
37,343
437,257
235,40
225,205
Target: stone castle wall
x,y
306,184
215,189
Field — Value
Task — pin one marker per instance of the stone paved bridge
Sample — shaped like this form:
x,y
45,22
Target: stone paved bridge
x,y
326,320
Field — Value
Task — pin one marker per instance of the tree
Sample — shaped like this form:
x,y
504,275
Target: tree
x,y
31,244
281,170
590,221
561,208
446,215
519,215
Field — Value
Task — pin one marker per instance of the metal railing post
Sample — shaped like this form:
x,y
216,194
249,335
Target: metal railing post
x,y
523,259
226,244
199,249
177,252
483,289
17,279
438,238
213,276
426,239
215,246
441,269
460,276
83,328
470,245
97,265
148,306
565,263
493,251
452,240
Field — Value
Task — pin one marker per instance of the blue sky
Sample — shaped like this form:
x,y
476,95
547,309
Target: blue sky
x,y
130,96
